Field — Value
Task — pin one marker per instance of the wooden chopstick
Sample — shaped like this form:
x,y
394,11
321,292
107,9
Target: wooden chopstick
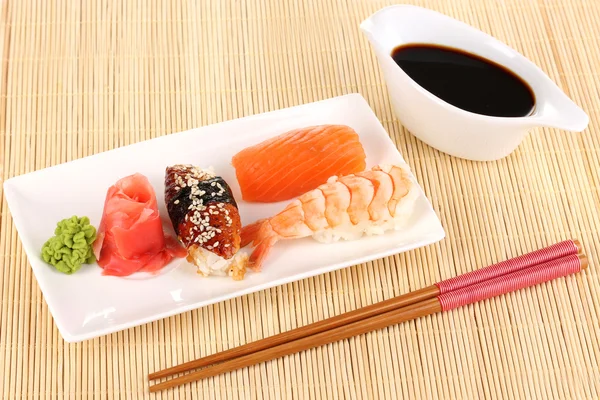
x,y
444,302
527,260
467,295
420,309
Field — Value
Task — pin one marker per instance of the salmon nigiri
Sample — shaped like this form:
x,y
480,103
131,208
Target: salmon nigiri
x,y
367,203
297,161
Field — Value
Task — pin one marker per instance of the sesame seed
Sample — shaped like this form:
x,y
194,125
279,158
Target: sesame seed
x,y
176,202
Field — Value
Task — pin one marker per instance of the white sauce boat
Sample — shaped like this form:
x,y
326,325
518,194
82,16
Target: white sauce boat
x,y
443,126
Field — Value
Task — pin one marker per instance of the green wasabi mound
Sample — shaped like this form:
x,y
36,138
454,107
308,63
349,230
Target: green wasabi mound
x,y
71,246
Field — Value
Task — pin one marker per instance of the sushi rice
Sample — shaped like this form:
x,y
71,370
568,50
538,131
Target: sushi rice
x,y
209,263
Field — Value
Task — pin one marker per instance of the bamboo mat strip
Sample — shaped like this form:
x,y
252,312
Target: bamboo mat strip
x,y
79,78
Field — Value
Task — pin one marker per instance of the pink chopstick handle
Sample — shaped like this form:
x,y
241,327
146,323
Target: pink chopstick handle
x,y
509,283
541,256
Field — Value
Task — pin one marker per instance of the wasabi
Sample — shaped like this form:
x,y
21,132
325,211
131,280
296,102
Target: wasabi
x,y
71,246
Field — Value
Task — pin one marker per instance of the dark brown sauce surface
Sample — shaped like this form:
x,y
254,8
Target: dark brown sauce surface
x,y
465,80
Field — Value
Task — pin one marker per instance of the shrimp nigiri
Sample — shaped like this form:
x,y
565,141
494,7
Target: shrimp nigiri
x,y
348,207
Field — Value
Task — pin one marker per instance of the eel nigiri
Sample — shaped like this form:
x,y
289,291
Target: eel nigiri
x,y
205,217
297,161
348,207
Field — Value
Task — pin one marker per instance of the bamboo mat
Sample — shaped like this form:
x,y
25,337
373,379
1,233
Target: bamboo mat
x,y
83,77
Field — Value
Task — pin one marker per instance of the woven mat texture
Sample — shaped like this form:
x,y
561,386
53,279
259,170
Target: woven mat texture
x,y
83,77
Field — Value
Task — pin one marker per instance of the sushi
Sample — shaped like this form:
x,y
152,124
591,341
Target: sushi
x,y
205,217
130,236
366,203
297,161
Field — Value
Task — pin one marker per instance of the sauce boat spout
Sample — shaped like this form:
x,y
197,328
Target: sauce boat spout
x,y
556,110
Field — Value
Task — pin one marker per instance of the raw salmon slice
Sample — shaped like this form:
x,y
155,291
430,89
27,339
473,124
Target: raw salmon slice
x,y
297,161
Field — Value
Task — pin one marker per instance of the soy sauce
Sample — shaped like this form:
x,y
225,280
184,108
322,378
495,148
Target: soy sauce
x,y
465,80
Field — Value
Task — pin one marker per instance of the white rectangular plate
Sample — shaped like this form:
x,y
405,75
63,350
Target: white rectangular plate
x,y
87,304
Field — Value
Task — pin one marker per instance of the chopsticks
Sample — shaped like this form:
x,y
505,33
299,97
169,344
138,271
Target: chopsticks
x,y
539,266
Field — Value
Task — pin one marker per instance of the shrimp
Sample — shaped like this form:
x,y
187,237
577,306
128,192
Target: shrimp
x,y
344,207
